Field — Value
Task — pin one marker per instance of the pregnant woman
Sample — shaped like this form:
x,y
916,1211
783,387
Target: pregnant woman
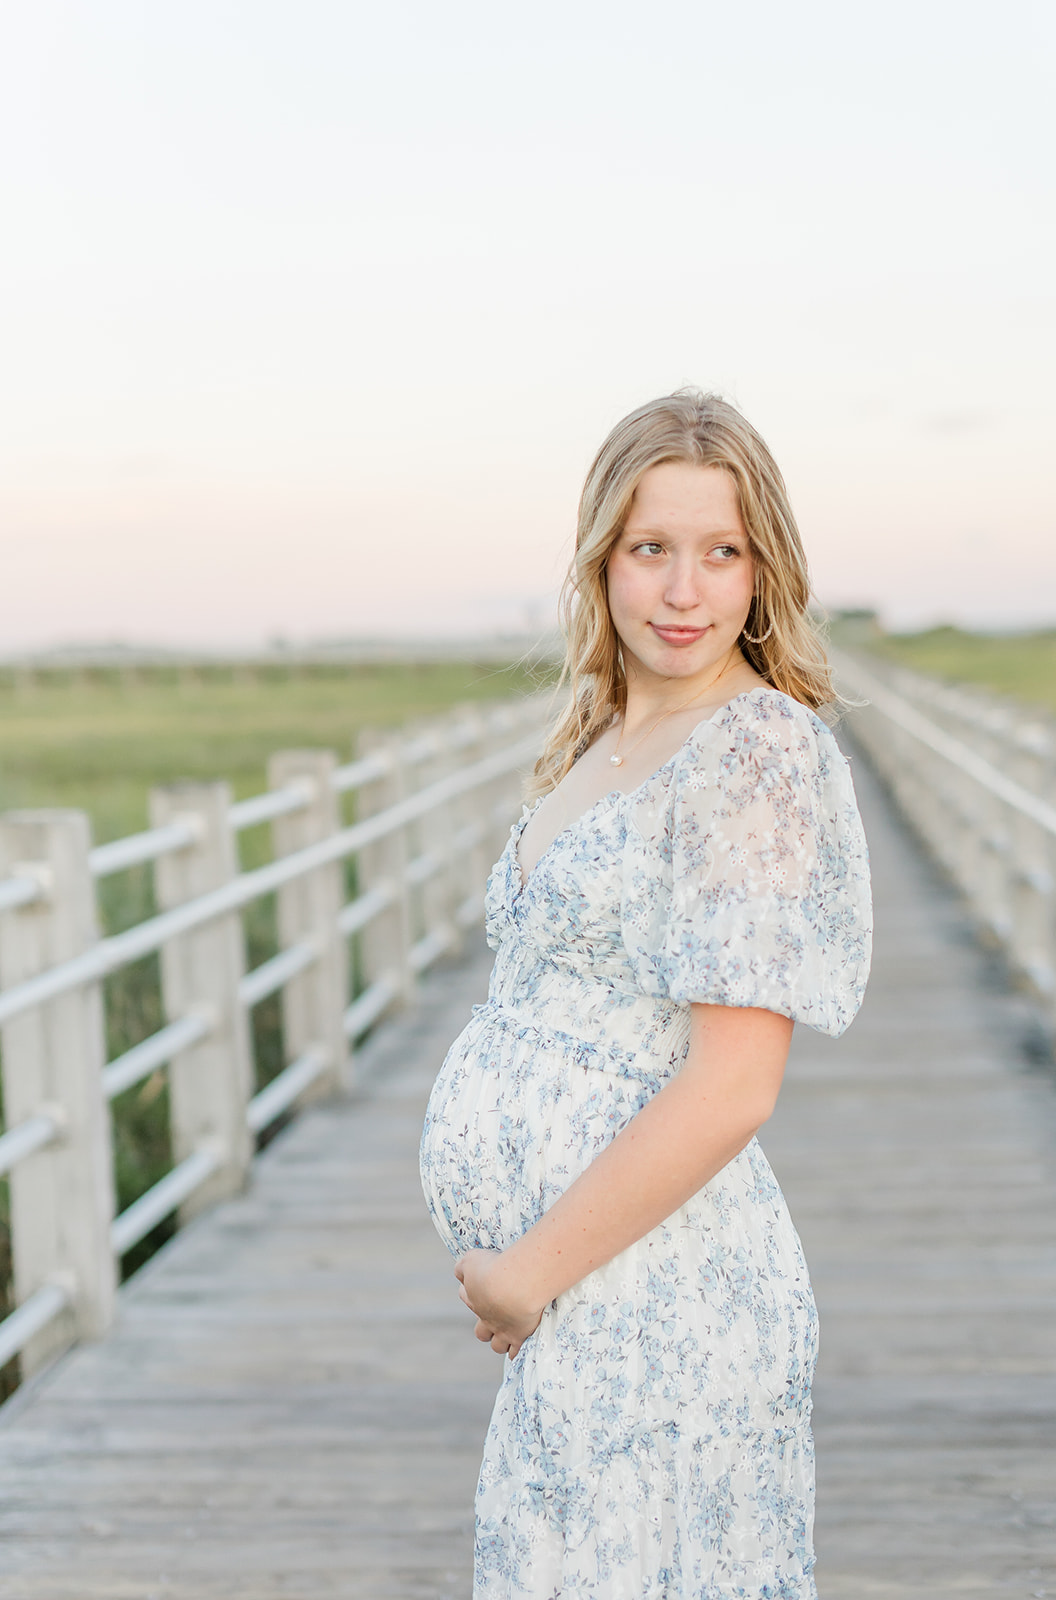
x,y
690,881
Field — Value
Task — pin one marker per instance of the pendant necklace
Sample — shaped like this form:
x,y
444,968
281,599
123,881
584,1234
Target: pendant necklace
x,y
616,760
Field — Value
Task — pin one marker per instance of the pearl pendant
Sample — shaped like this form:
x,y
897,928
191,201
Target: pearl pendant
x,y
615,761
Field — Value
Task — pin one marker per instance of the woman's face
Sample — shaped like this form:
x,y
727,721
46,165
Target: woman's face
x,y
680,576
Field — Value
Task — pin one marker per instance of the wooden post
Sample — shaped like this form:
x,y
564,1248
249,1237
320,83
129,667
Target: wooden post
x,y
211,1083
504,796
435,833
314,1001
1032,882
473,810
62,1197
1001,860
385,944
493,802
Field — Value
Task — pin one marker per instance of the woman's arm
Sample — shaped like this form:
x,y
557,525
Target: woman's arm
x,y
689,1131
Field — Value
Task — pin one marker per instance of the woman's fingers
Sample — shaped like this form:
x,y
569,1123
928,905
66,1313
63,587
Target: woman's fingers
x,y
487,1331
501,1343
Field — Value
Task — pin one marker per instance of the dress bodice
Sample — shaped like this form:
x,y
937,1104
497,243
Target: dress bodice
x,y
736,874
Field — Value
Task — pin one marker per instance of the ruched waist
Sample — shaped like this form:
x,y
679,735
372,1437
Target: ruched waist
x,y
590,1019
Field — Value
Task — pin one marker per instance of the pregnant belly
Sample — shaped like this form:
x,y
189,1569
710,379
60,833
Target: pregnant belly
x,y
513,1119
720,1286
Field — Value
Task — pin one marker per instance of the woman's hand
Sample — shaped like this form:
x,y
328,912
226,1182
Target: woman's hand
x,y
504,1320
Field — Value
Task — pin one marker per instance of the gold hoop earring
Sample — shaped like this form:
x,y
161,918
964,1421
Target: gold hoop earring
x,y
762,637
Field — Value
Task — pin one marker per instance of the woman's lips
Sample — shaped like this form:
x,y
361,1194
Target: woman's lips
x,y
677,636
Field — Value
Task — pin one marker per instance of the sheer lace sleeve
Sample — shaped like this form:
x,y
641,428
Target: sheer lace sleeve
x,y
750,886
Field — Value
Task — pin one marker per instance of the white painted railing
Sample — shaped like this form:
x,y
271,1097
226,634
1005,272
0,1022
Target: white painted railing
x,y
976,776
431,814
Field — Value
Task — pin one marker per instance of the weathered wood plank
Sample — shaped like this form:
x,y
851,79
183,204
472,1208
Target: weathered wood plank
x,y
292,1401
917,1157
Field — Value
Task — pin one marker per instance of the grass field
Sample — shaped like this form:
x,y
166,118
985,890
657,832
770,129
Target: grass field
x,y
99,740
1022,665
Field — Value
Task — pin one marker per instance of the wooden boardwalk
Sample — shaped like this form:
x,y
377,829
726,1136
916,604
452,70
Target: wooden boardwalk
x,y
292,1402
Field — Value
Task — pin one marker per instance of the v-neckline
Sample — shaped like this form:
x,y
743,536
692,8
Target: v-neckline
x,y
522,879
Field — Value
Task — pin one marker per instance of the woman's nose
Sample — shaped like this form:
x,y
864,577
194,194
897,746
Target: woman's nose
x,y
681,589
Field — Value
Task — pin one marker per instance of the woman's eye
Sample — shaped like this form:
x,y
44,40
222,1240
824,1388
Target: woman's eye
x,y
649,547
727,551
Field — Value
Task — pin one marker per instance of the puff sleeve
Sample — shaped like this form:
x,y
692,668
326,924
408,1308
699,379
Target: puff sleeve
x,y
748,884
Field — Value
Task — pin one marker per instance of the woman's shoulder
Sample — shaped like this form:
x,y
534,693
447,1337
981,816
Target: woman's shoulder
x,y
760,744
746,880
761,728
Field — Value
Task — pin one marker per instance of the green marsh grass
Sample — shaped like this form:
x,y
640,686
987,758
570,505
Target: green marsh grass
x,y
1020,665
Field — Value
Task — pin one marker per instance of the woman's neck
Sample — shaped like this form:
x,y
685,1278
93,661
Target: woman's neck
x,y
649,696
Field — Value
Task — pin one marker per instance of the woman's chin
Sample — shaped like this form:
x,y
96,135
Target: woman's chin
x,y
660,660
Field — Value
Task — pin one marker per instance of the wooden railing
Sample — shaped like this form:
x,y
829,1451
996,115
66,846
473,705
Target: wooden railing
x,y
976,777
431,814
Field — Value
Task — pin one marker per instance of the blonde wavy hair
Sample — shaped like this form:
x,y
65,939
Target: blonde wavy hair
x,y
706,431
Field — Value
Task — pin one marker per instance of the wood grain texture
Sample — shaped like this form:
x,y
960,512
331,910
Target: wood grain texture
x,y
62,1196
292,1403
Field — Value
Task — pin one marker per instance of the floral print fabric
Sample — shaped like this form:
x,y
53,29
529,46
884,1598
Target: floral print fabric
x,y
651,1441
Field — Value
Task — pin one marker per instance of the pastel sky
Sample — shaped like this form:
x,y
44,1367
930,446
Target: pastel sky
x,y
315,313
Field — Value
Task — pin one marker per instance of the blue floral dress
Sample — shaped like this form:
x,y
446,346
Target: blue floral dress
x,y
652,1438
